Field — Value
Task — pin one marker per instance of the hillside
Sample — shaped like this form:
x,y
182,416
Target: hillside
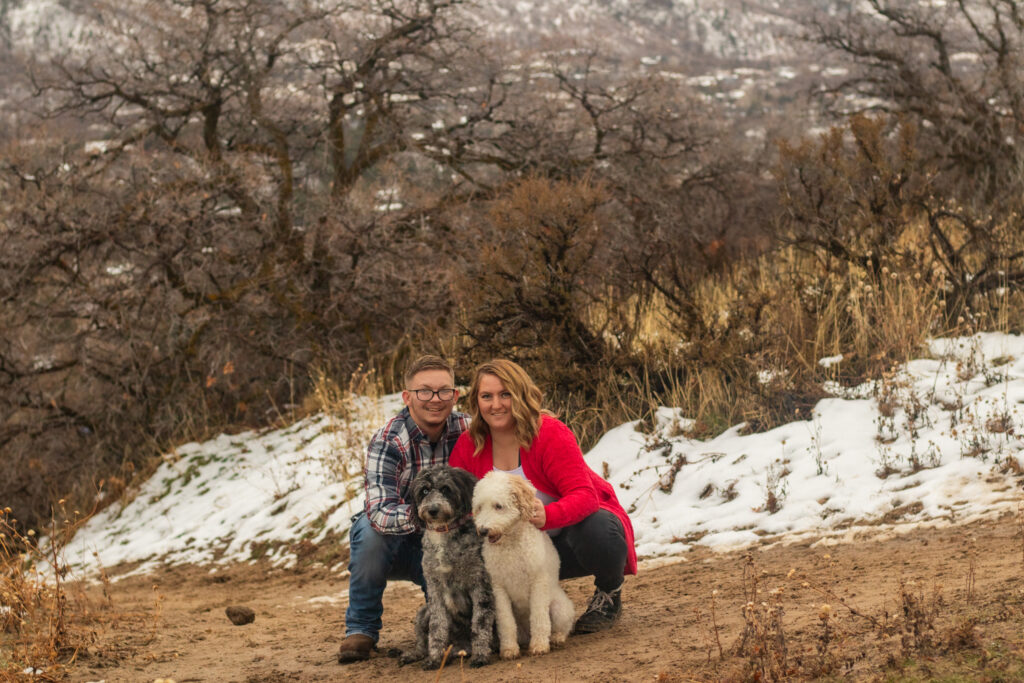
x,y
936,441
886,526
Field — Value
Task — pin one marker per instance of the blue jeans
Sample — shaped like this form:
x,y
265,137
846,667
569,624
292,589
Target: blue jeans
x,y
375,558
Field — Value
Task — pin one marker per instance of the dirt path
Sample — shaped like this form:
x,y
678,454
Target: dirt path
x,y
173,625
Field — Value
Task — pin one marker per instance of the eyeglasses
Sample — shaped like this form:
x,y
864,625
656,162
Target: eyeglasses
x,y
428,394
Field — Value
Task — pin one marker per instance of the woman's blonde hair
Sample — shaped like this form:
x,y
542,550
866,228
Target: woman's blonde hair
x,y
526,402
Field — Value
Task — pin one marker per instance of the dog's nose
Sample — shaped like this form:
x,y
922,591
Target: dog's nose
x,y
432,510
483,531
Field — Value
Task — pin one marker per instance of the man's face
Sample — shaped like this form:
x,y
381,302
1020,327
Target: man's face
x,y
431,414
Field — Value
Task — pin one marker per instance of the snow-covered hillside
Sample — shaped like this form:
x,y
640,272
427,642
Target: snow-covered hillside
x,y
935,444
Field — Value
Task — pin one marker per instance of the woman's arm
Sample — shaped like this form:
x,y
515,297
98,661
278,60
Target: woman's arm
x,y
560,459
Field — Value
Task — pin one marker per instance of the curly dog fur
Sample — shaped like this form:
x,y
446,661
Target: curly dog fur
x,y
523,565
459,598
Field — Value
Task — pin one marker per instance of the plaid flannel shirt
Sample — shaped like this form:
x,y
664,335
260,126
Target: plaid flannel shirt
x,y
397,452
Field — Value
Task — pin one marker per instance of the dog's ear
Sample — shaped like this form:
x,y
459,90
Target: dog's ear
x,y
463,479
465,482
522,495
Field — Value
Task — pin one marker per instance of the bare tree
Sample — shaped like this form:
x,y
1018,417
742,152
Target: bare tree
x,y
955,67
224,194
953,74
675,187
184,255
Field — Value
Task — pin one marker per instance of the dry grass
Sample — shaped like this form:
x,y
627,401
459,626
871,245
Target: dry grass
x,y
48,623
41,624
802,628
353,414
767,322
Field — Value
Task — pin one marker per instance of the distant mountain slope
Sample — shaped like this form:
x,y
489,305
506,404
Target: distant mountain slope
x,y
672,31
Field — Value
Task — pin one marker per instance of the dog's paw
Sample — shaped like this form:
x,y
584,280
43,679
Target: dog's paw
x,y
539,648
476,662
558,639
510,652
432,665
409,657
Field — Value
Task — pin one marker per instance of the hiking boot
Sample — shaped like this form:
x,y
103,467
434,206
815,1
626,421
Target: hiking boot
x,y
603,611
355,648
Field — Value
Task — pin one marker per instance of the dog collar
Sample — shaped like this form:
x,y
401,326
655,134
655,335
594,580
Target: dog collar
x,y
445,528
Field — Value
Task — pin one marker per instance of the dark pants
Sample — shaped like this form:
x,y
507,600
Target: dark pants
x,y
594,546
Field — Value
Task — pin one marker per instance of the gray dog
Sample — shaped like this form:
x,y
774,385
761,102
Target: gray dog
x,y
460,605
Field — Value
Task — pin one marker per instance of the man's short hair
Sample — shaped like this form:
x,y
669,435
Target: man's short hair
x,y
428,362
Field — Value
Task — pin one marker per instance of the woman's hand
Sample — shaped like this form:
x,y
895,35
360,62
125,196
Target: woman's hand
x,y
539,516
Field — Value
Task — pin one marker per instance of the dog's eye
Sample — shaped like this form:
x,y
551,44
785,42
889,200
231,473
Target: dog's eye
x,y
498,506
446,491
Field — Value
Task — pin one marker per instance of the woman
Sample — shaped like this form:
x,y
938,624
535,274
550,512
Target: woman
x,y
592,533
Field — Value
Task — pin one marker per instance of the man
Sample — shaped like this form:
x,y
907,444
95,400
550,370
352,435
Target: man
x,y
384,540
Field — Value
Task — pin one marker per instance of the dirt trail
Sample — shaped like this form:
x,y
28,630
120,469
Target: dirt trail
x,y
172,624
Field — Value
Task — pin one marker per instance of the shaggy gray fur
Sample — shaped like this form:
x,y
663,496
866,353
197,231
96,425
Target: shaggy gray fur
x,y
460,605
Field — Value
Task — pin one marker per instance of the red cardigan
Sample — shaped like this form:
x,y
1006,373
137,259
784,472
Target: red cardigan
x,y
554,464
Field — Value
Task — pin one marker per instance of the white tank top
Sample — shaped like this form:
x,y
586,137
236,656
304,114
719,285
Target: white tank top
x,y
544,498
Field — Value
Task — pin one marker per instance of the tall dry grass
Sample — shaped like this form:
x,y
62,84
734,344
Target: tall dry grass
x,y
43,626
353,413
769,321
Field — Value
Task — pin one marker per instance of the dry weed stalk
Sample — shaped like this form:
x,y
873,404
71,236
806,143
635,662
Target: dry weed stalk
x,y
828,657
444,660
158,603
918,613
763,641
1020,526
712,640
972,566
775,486
105,580
714,624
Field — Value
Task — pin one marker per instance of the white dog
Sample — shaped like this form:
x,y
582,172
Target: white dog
x,y
523,565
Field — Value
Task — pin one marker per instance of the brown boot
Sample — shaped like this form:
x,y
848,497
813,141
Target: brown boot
x,y
355,648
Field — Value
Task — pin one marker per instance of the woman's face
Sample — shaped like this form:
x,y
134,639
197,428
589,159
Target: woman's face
x,y
495,403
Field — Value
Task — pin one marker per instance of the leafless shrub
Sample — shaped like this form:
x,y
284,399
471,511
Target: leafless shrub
x,y
536,276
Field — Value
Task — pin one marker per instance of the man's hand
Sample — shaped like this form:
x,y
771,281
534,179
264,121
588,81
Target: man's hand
x,y
539,516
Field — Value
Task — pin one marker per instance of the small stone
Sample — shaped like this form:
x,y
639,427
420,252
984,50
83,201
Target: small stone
x,y
240,615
